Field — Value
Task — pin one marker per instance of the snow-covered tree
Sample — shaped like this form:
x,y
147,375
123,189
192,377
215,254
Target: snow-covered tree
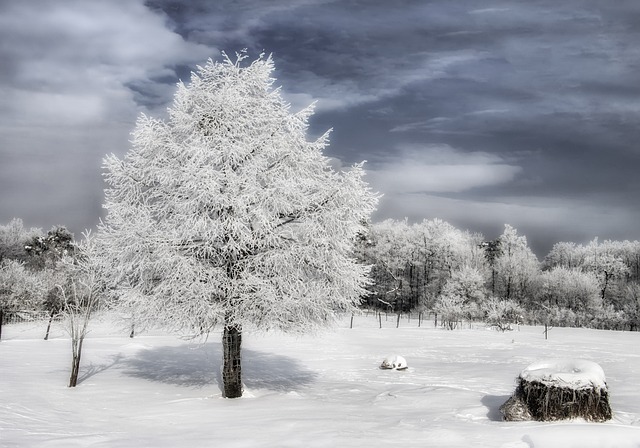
x,y
13,239
443,249
501,314
516,266
569,288
603,260
20,289
388,249
467,283
226,214
46,250
451,309
632,306
412,262
566,255
53,301
615,265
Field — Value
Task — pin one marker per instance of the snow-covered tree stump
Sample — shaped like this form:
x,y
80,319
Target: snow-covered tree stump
x,y
555,389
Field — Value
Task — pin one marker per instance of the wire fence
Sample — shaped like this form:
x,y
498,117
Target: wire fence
x,y
15,317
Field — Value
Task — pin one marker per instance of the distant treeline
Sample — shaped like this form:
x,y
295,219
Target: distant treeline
x,y
432,266
429,266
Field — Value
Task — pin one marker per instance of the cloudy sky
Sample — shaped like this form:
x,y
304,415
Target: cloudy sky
x,y
478,112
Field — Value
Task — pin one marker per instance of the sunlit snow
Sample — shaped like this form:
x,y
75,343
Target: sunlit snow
x,y
571,373
322,390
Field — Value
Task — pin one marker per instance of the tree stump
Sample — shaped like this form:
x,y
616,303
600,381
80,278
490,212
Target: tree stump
x,y
555,389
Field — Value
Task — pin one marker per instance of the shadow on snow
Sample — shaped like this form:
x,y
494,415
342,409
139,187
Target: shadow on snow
x,y
199,366
92,369
493,403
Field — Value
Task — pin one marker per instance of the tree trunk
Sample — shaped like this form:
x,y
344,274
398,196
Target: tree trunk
x,y
493,280
232,369
133,326
546,331
604,288
46,336
75,362
1,319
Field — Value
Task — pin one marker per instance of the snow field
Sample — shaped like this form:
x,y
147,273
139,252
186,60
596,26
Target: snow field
x,y
315,391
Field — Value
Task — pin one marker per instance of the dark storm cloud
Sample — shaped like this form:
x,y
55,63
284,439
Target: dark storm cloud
x,y
477,112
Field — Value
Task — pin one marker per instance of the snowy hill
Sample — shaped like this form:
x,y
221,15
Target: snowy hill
x,y
313,391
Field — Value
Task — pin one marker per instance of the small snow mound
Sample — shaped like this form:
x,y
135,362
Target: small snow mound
x,y
573,373
394,363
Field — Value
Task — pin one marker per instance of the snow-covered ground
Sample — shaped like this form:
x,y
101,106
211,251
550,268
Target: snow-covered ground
x,y
323,390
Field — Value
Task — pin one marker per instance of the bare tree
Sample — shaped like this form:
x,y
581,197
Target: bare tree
x,y
80,296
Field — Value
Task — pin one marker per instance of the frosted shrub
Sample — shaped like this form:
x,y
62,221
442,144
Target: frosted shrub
x,y
451,310
502,314
20,289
